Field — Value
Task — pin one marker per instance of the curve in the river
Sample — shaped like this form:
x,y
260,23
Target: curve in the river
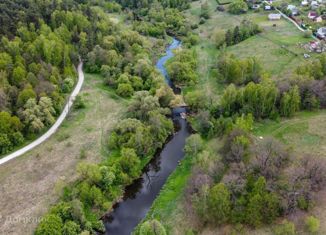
x,y
140,195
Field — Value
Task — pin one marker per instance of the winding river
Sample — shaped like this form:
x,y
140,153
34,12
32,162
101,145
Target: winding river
x,y
140,195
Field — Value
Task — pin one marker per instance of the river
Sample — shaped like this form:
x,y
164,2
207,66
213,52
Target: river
x,y
140,195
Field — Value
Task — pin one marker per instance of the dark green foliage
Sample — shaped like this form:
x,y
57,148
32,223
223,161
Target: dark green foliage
x,y
219,204
242,32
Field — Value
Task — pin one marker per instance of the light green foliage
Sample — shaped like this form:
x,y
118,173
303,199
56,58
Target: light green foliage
x,y
286,228
182,68
152,227
290,102
38,115
312,224
245,122
125,90
70,228
50,225
194,144
238,71
238,7
129,162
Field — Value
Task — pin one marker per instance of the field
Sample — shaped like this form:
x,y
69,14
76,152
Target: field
x,y
278,48
31,183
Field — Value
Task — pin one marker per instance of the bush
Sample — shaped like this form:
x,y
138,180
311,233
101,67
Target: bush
x,y
125,90
286,228
152,227
50,225
219,204
238,7
79,103
312,224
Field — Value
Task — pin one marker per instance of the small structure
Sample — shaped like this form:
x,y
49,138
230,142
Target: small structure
x,y
321,33
318,19
293,9
255,6
314,5
268,8
304,3
274,16
312,15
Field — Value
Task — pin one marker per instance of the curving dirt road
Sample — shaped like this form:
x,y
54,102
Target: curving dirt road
x,y
56,125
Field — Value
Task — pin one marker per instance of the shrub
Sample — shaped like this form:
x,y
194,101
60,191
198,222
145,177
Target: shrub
x,y
50,225
286,228
219,204
152,227
312,224
125,90
79,103
238,7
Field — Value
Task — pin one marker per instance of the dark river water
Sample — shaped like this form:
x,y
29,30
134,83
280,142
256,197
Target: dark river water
x,y
140,195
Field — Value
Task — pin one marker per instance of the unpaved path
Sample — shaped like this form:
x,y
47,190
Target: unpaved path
x,y
56,125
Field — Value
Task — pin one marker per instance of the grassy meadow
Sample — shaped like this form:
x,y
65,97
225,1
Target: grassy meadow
x,y
42,172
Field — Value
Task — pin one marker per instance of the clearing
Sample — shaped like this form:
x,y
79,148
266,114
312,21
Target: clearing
x,y
279,48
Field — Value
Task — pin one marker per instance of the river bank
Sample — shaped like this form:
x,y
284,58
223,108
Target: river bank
x,y
139,196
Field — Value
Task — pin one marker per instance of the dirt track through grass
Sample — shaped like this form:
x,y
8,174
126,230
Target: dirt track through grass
x,y
31,183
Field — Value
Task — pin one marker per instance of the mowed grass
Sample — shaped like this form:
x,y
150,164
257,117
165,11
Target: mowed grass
x,y
32,182
305,133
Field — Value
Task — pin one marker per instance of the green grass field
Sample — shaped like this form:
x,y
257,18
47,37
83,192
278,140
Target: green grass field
x,y
305,133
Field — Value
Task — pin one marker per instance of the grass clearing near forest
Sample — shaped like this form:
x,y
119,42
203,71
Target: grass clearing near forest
x,y
31,183
306,132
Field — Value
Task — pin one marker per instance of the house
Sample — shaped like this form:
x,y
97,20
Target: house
x,y
314,5
274,16
268,8
318,19
255,6
321,33
312,15
293,9
304,3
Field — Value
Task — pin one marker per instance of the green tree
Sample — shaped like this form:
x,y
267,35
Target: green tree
x,y
18,76
290,102
25,95
70,228
238,7
204,10
219,204
125,90
194,144
50,225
